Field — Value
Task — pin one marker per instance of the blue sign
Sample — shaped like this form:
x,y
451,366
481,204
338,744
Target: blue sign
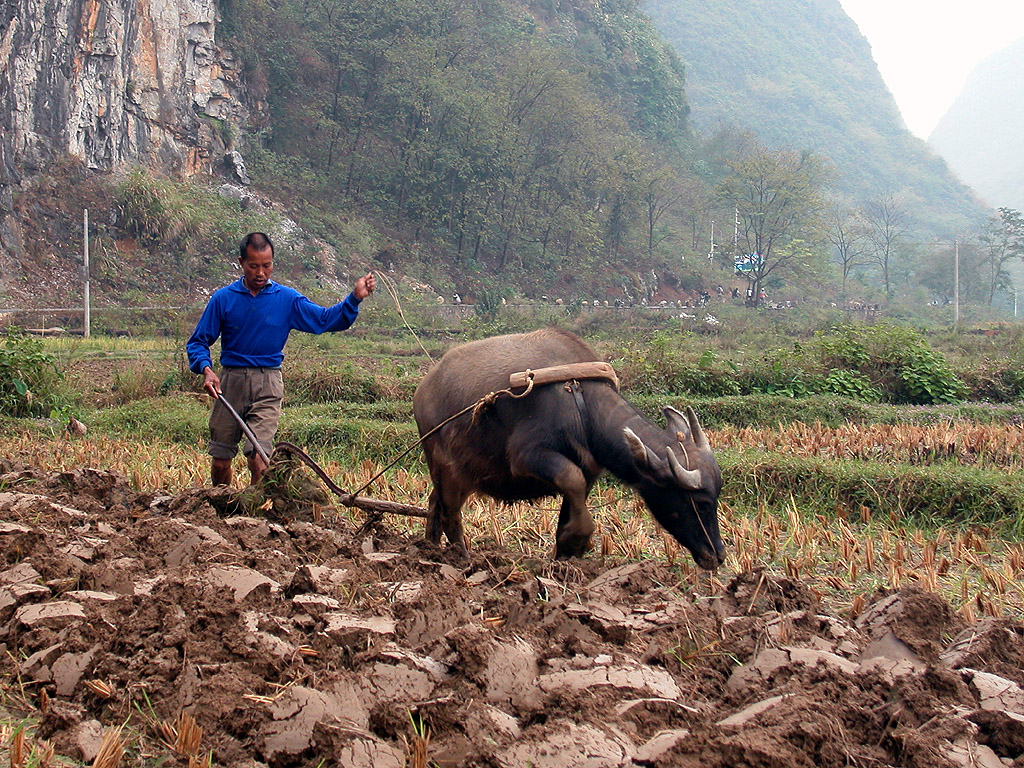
x,y
748,263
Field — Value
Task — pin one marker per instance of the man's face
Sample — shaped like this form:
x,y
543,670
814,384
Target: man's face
x,y
257,266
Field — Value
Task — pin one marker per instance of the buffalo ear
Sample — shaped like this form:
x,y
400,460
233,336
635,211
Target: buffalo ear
x,y
676,422
637,448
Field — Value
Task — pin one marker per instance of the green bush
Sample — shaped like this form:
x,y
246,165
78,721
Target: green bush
x,y
896,360
997,381
775,410
29,377
852,384
488,302
186,217
174,417
668,364
866,363
926,378
781,372
142,208
351,441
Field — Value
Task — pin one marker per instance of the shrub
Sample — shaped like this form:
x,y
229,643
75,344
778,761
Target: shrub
x,y
141,207
174,417
773,410
666,365
926,378
998,381
852,384
931,494
782,372
161,213
896,361
28,376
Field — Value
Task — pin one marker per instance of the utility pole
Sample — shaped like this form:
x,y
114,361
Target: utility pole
x,y
85,275
956,284
711,253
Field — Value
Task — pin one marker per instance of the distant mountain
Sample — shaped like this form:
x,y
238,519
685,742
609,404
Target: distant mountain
x,y
800,74
980,134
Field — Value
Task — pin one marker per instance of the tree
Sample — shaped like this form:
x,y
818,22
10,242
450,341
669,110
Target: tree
x,y
887,223
777,196
846,231
1003,242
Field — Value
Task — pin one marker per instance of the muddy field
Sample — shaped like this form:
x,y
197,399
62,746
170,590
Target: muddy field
x,y
295,642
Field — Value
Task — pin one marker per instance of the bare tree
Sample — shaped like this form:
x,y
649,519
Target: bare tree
x,y
846,231
887,223
662,192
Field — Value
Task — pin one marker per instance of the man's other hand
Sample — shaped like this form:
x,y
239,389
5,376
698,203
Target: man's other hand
x,y
211,382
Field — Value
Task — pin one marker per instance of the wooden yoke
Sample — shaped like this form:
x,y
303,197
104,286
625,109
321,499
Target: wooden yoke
x,y
591,370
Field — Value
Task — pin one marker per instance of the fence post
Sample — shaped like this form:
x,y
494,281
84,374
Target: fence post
x,y
85,276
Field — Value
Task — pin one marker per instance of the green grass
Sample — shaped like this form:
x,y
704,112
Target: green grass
x,y
907,495
349,401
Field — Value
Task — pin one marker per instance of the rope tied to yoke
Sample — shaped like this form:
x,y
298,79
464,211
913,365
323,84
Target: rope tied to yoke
x,y
491,398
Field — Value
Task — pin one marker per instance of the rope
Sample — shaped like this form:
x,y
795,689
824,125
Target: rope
x,y
392,290
477,408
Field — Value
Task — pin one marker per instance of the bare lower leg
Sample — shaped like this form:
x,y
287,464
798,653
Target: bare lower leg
x,y
220,471
256,467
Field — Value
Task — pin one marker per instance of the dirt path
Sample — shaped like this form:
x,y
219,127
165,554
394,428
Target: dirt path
x,y
294,643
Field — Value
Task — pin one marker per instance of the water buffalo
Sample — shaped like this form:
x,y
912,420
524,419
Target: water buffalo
x,y
557,441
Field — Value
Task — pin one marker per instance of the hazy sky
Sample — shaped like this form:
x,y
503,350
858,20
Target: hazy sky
x,y
925,49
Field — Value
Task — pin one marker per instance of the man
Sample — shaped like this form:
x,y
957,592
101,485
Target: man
x,y
253,317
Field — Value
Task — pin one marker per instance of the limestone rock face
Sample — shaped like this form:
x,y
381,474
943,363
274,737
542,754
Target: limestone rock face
x,y
115,82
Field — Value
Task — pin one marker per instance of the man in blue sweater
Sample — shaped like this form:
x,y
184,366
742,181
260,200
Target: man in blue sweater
x,y
253,317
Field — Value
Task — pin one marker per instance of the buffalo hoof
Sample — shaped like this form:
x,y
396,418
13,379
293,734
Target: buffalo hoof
x,y
575,549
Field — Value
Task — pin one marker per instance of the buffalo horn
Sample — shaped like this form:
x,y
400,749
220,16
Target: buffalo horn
x,y
637,448
688,478
699,438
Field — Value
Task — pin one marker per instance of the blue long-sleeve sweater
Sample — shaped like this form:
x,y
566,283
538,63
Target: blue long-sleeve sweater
x,y
253,329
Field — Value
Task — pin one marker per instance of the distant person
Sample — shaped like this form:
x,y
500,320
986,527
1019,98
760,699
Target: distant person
x,y
253,317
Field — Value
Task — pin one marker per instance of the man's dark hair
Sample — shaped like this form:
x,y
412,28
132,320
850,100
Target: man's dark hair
x,y
258,241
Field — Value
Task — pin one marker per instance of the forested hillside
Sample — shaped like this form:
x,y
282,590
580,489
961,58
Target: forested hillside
x,y
800,74
523,136
492,148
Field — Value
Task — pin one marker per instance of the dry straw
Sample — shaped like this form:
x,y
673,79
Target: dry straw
x,y
111,749
183,735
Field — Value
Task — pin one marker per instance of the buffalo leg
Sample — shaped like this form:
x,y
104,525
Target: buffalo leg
x,y
575,525
444,512
575,528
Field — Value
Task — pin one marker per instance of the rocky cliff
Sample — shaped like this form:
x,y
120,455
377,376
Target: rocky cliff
x,y
115,82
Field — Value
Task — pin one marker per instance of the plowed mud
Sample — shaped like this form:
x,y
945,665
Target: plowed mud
x,y
301,643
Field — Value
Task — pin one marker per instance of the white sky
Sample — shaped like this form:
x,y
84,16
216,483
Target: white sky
x,y
925,49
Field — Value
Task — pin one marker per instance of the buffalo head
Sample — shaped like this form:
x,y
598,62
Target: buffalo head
x,y
680,482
